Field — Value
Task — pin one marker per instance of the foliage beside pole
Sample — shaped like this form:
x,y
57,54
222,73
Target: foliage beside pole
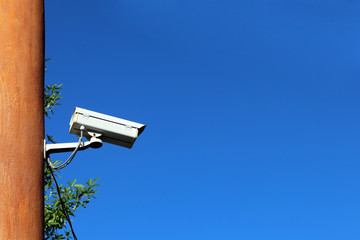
x,y
73,195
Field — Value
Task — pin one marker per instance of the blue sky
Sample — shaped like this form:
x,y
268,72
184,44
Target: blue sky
x,y
251,107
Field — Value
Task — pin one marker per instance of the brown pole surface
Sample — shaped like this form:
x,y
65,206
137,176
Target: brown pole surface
x,y
21,119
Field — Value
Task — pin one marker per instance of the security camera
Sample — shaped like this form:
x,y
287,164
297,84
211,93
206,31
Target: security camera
x,y
97,128
104,127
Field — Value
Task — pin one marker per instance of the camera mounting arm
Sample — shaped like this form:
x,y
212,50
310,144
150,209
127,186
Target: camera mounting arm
x,y
69,147
95,142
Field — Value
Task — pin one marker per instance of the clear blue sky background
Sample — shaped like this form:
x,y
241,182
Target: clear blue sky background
x,y
252,111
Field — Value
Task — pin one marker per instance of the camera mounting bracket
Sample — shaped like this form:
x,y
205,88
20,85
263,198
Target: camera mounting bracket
x,y
95,142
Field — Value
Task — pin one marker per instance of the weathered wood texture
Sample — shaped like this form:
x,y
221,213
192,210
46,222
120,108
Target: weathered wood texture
x,y
21,119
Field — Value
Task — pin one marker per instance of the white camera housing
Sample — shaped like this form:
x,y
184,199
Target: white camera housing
x,y
107,128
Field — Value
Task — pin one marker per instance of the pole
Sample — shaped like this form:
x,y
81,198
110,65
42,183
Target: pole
x,y
21,119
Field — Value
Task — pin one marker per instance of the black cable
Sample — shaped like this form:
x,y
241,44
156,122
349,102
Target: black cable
x,y
62,203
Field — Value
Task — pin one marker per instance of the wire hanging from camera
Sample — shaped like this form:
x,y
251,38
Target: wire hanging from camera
x,y
61,201
68,161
